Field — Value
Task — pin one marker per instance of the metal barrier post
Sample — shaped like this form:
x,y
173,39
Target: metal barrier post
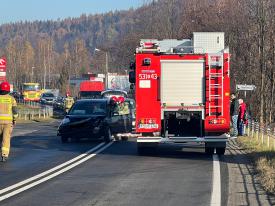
x,y
262,134
252,129
257,131
248,129
268,136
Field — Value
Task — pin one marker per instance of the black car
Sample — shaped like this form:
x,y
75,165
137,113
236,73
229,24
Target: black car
x,y
58,102
96,119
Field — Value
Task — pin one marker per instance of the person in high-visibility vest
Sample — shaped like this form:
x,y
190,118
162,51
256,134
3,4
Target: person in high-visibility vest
x,y
69,101
8,115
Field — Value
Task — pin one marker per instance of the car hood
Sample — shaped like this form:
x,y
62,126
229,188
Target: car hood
x,y
48,98
78,120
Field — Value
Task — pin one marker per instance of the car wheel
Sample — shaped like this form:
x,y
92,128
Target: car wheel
x,y
64,139
220,150
108,135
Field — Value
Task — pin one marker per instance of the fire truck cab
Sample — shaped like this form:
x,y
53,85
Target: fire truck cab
x,y
182,91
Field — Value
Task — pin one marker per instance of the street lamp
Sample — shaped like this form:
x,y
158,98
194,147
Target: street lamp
x,y
106,66
32,73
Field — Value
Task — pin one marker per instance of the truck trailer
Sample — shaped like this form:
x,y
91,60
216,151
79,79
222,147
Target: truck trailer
x,y
91,89
182,92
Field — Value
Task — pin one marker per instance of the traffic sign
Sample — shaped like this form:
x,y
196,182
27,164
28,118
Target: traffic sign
x,y
245,87
2,63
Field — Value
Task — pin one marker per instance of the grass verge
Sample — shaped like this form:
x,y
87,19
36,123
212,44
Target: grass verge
x,y
264,159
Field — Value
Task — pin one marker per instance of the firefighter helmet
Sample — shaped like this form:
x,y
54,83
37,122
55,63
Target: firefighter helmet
x,y
5,86
121,99
114,98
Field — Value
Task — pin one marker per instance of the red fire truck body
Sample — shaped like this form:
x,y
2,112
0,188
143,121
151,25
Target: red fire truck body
x,y
183,92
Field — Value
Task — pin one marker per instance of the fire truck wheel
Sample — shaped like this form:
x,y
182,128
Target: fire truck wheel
x,y
64,139
209,150
220,150
108,135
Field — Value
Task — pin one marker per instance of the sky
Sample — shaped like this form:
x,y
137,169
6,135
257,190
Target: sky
x,y
30,10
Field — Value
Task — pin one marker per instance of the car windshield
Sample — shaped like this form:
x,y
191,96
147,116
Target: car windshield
x,y
31,87
48,95
88,108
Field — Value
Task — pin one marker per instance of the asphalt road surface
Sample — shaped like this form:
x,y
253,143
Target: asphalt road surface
x,y
103,174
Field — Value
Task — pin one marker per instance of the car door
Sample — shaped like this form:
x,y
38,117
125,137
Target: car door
x,y
121,118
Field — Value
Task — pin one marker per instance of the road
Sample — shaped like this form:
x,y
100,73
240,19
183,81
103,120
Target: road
x,y
112,174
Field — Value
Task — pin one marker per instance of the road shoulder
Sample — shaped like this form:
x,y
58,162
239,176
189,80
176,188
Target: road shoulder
x,y
244,187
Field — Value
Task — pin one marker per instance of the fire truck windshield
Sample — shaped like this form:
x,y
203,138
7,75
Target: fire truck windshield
x,y
31,87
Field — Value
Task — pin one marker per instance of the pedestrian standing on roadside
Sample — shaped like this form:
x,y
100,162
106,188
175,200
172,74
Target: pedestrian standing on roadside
x,y
234,113
241,117
8,115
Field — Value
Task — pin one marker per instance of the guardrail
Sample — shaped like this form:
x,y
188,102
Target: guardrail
x,y
28,103
264,135
33,110
29,114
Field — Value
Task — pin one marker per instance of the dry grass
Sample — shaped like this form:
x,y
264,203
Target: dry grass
x,y
264,159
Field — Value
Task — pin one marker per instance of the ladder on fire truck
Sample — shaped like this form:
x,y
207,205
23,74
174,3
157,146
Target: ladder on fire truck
x,y
215,84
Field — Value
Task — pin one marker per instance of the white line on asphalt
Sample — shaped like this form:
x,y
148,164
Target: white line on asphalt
x,y
23,132
26,187
49,171
216,184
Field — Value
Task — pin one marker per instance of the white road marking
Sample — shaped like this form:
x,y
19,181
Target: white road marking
x,y
23,132
74,161
216,185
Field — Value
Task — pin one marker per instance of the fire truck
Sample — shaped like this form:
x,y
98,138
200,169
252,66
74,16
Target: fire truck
x,y
31,91
91,89
182,92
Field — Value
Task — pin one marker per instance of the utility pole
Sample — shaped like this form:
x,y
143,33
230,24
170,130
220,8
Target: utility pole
x,y
32,74
107,71
106,66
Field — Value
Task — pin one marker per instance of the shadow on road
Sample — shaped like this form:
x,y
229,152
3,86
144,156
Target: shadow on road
x,y
129,148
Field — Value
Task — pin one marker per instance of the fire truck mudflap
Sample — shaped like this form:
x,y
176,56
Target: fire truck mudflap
x,y
182,92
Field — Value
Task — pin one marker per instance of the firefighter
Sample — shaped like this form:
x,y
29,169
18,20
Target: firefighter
x,y
122,106
69,101
8,115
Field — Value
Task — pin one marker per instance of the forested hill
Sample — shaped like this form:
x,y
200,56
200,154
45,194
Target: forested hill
x,y
94,29
66,47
